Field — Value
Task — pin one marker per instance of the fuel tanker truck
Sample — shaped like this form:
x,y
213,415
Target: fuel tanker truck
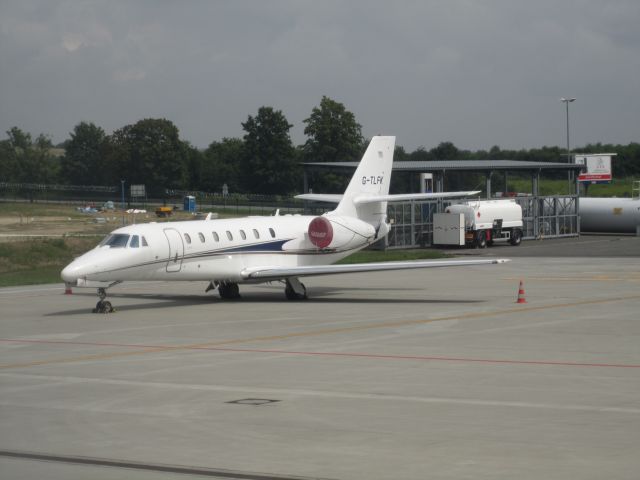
x,y
479,223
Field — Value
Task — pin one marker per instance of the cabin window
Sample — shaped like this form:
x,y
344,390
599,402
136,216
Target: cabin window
x,y
115,240
229,236
243,235
187,237
201,237
135,241
256,233
216,237
273,234
144,242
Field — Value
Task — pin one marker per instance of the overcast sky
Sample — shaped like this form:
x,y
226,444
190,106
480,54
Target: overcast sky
x,y
475,72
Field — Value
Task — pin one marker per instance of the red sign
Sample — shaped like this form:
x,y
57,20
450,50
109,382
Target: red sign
x,y
598,167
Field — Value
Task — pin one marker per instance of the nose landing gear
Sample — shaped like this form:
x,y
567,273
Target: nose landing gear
x,y
103,305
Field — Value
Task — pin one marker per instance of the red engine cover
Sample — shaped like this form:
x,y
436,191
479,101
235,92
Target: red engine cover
x,y
320,232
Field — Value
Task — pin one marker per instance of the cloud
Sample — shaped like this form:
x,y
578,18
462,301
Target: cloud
x,y
477,73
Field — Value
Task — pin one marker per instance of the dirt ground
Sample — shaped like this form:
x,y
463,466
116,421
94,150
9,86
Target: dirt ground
x,y
16,225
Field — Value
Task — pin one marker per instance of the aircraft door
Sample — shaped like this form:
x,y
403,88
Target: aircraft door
x,y
176,249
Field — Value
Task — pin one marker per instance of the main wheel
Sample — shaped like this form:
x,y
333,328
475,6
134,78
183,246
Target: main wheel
x,y
516,237
291,294
229,291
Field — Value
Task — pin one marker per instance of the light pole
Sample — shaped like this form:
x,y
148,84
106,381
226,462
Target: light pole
x,y
567,101
122,186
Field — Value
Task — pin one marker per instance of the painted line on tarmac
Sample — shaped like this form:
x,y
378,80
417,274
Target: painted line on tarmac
x,y
280,392
327,354
394,324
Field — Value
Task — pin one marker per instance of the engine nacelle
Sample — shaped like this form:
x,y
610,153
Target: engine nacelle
x,y
339,232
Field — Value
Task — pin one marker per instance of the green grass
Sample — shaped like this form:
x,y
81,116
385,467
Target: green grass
x,y
39,261
38,276
620,187
39,210
369,256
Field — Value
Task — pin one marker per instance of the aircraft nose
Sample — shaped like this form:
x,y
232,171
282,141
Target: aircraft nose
x,y
80,267
70,273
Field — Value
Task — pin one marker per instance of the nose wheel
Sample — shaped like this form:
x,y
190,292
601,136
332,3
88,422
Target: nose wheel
x,y
103,305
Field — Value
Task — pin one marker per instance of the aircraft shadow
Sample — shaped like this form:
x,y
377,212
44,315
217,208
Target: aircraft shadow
x,y
319,295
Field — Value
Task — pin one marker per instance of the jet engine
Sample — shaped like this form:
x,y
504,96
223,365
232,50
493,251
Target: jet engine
x,y
329,232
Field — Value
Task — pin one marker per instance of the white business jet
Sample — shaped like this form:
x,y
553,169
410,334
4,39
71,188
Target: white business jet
x,y
282,248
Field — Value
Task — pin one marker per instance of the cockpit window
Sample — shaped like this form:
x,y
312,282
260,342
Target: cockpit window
x,y
115,240
144,242
135,241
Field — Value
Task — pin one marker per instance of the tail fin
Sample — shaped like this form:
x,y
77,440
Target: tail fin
x,y
371,178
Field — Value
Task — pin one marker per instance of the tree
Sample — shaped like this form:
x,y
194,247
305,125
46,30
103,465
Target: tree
x,y
269,163
193,161
221,164
26,161
401,181
44,166
445,151
83,162
19,140
9,168
334,136
149,152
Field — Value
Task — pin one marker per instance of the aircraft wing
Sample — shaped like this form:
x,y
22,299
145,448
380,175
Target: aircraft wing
x,y
278,273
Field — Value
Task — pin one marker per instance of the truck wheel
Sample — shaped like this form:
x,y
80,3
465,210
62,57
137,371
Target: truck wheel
x,y
481,239
516,237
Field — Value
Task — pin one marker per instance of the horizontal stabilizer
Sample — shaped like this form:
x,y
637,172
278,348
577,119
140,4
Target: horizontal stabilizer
x,y
277,273
321,197
411,196
400,197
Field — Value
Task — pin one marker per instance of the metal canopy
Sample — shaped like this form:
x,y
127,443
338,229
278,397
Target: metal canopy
x,y
462,165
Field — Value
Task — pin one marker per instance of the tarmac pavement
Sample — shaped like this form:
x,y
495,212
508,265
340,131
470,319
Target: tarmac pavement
x,y
406,375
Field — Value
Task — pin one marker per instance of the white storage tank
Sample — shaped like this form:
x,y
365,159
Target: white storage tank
x,y
613,215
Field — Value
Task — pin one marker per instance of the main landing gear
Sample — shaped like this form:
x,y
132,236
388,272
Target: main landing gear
x,y
103,305
227,290
295,289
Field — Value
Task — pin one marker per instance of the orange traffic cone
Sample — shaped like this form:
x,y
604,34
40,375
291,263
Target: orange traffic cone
x,y
67,289
521,298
